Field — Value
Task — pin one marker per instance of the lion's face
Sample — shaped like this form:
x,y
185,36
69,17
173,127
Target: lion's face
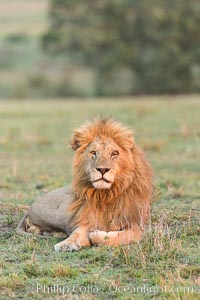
x,y
102,162
103,156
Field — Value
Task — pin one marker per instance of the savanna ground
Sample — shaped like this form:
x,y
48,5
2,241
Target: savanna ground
x,y
35,157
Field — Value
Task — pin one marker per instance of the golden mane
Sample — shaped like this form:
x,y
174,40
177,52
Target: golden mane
x,y
128,200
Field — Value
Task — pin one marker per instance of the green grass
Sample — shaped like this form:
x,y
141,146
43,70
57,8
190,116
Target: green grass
x,y
35,157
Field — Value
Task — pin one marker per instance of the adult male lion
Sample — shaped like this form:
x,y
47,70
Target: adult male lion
x,y
111,191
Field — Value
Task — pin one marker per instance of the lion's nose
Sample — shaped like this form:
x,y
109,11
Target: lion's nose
x,y
103,170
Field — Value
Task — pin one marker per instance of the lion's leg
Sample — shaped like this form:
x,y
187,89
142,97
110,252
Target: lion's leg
x,y
34,229
116,238
29,227
77,239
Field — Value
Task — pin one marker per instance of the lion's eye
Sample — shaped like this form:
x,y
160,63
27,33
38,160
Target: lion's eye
x,y
115,154
93,153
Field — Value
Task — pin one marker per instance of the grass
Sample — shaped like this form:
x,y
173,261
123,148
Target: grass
x,y
35,157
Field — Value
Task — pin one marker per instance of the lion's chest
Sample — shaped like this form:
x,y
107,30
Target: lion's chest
x,y
106,220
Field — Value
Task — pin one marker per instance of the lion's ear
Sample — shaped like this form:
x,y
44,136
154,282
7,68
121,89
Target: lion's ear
x,y
130,140
126,141
76,140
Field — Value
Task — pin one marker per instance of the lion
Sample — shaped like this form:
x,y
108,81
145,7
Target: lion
x,y
110,197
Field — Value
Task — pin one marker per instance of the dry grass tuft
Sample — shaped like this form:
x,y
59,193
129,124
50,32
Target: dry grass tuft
x,y
63,271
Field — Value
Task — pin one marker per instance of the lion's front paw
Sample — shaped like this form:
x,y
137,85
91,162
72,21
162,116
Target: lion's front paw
x,y
98,237
67,245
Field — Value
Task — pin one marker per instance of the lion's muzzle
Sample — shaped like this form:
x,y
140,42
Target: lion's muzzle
x,y
103,170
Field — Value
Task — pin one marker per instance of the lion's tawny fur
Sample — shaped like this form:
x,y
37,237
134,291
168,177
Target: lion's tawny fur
x,y
128,200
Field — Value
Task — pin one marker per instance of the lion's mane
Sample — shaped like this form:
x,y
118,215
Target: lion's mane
x,y
128,200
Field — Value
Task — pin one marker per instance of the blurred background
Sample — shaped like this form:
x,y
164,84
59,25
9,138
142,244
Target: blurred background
x,y
68,48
